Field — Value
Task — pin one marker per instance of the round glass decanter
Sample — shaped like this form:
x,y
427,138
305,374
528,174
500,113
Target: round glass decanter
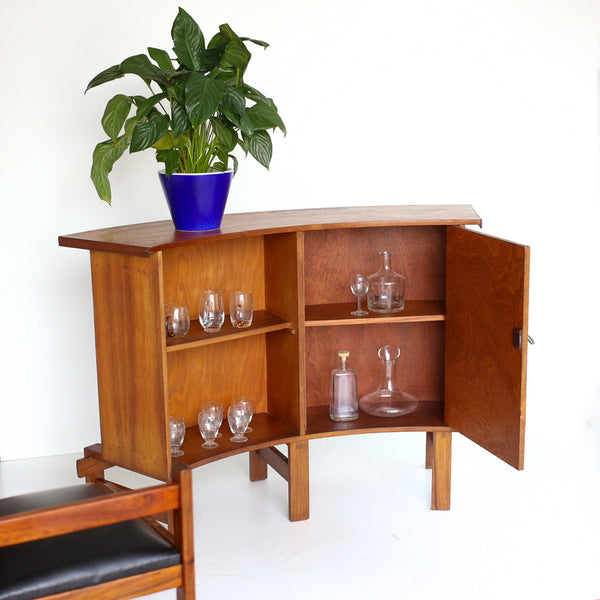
x,y
386,288
388,400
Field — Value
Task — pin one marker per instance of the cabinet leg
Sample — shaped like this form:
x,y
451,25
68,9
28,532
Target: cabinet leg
x,y
258,466
441,470
429,450
298,492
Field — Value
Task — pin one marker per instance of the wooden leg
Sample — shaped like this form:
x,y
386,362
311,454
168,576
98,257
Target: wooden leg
x,y
258,466
298,488
429,450
441,470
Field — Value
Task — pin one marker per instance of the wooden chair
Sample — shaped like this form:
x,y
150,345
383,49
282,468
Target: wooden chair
x,y
98,540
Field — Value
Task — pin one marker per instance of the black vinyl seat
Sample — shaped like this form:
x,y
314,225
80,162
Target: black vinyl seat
x,y
82,559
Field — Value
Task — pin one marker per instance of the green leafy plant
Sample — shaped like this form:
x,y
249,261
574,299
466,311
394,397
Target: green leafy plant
x,y
199,108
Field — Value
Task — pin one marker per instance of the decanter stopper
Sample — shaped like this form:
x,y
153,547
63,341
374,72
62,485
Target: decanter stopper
x,y
343,400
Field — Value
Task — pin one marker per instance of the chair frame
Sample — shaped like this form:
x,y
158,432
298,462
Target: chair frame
x,y
171,500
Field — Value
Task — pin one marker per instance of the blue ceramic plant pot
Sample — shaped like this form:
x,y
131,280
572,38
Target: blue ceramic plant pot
x,y
196,200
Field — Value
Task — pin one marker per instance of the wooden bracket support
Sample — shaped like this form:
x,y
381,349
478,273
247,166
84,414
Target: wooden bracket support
x,y
92,466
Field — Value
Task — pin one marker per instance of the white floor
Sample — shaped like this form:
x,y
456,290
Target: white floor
x,y
525,535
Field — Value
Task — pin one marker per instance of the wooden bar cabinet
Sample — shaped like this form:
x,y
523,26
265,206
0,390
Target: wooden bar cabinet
x,y
463,336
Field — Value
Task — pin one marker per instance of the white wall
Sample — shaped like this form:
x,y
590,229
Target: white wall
x,y
487,102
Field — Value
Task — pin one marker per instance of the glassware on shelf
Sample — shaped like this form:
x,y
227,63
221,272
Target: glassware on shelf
x,y
238,417
386,288
248,403
359,284
388,400
177,433
212,311
241,309
209,422
177,320
343,399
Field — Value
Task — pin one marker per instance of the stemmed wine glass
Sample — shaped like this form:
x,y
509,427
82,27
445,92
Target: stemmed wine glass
x,y
177,433
209,422
359,284
238,417
248,403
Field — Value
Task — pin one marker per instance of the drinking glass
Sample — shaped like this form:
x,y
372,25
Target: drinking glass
x,y
241,309
359,284
238,418
212,310
209,422
248,404
177,433
177,320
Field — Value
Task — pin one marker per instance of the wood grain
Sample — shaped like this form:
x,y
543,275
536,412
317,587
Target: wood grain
x,y
332,256
145,238
420,368
130,356
487,299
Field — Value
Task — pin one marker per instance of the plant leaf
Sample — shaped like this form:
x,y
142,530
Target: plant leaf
x,y
202,97
139,65
227,137
235,55
188,41
104,157
257,42
262,116
116,111
107,75
161,58
144,107
260,147
171,160
233,101
179,119
147,133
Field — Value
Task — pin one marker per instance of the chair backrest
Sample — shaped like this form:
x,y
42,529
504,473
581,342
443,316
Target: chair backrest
x,y
113,537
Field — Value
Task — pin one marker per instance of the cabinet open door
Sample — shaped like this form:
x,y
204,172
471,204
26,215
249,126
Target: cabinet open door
x,y
487,288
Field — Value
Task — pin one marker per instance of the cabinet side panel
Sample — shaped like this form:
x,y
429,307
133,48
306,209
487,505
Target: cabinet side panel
x,y
131,361
486,302
284,297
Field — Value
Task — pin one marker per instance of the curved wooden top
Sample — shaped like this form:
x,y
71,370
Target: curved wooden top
x,y
145,238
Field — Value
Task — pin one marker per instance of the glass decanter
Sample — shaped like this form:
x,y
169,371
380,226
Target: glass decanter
x,y
388,400
386,288
343,399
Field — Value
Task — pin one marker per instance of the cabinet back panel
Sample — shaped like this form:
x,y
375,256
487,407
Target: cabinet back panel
x,y
332,256
420,368
217,372
226,265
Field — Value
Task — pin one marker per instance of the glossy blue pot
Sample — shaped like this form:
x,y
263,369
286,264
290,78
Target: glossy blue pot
x,y
196,200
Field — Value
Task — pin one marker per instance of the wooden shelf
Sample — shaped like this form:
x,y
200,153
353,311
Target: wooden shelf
x,y
266,431
429,416
263,322
415,311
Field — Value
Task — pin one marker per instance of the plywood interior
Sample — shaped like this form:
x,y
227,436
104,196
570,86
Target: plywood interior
x,y
217,372
226,265
420,368
332,256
